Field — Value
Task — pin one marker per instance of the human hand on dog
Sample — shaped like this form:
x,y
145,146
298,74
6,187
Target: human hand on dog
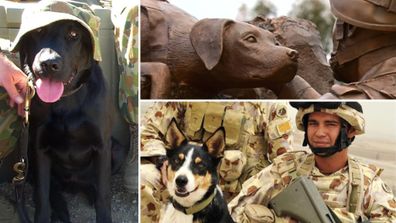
x,y
161,163
164,174
14,82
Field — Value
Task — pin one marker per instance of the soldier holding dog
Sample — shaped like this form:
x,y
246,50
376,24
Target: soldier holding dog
x,y
256,133
353,190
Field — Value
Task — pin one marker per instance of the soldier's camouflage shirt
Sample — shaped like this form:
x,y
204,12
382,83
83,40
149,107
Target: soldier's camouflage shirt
x,y
125,18
378,202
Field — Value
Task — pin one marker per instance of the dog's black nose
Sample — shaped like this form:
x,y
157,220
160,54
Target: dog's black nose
x,y
181,181
50,65
50,61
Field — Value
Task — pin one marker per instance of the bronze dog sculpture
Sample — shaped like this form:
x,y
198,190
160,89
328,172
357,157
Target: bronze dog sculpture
x,y
204,57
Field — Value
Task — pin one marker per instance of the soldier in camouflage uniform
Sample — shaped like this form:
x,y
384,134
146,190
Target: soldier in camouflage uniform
x,y
364,51
13,80
125,19
255,134
353,190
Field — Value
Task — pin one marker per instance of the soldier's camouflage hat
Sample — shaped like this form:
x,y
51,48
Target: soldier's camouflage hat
x,y
368,14
50,11
349,111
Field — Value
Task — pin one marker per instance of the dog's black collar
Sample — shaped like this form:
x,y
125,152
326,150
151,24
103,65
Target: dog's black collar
x,y
73,91
195,208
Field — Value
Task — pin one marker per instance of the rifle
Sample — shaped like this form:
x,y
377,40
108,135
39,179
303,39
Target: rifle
x,y
301,200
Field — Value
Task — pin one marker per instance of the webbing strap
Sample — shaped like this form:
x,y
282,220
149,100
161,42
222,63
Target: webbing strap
x,y
306,168
19,180
356,189
21,167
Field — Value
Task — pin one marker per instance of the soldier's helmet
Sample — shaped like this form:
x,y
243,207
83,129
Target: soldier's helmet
x,y
50,11
369,14
351,112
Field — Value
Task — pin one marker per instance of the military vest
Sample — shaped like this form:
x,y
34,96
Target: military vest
x,y
246,151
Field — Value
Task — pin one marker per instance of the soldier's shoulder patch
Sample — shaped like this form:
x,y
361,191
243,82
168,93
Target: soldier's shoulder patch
x,y
284,128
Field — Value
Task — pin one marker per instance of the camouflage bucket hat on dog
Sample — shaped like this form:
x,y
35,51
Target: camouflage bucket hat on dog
x,y
50,11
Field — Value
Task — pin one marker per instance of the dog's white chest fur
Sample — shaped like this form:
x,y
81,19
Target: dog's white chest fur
x,y
172,215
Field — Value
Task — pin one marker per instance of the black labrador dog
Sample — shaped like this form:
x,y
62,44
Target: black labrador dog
x,y
70,122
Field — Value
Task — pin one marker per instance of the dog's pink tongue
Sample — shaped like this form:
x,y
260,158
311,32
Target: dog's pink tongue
x,y
49,91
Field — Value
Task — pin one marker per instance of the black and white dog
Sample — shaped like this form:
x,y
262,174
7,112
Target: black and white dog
x,y
192,179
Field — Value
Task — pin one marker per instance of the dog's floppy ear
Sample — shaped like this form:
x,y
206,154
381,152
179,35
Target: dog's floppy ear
x,y
174,136
207,39
216,143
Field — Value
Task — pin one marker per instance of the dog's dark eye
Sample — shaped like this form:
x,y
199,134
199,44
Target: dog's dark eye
x,y
251,39
277,43
177,161
73,35
201,168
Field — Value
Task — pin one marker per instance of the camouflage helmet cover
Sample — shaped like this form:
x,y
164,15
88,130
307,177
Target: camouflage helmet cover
x,y
369,14
349,114
50,11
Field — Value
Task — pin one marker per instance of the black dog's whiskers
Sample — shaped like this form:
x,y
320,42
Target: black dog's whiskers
x,y
71,78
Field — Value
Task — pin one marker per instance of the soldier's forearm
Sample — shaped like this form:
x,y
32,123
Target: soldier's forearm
x,y
298,88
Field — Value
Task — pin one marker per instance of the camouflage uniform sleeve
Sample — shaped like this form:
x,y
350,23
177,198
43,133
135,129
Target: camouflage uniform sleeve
x,y
278,131
254,196
379,202
10,122
125,18
382,86
10,125
154,125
